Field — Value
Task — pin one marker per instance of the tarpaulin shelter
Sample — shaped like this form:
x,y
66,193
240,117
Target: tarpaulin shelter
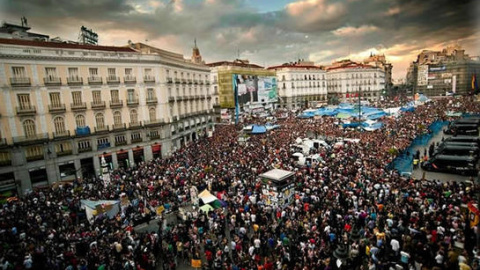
x,y
259,129
110,208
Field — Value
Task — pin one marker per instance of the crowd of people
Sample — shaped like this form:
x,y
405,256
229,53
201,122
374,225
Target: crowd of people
x,y
349,211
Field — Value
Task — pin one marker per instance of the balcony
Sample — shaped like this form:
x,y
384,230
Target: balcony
x,y
184,81
113,79
154,135
56,108
117,127
20,81
64,153
171,99
98,105
189,81
137,140
35,157
53,81
84,149
79,106
26,110
132,102
207,82
169,80
116,103
153,123
179,98
100,130
152,100
95,80
135,125
176,80
129,79
120,143
148,79
74,80
195,81
61,134
31,139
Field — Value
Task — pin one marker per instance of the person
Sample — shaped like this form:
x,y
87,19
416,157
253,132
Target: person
x,y
415,163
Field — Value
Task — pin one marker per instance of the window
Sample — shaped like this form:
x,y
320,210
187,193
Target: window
x,y
51,72
24,101
115,96
73,72
117,118
128,72
29,128
97,97
150,94
148,72
131,95
77,97
18,72
112,73
133,117
152,114
136,136
93,72
59,124
120,139
55,100
100,120
84,145
34,151
103,143
80,121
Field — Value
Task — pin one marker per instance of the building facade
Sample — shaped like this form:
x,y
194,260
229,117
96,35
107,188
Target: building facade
x,y
300,85
67,105
348,81
381,62
436,73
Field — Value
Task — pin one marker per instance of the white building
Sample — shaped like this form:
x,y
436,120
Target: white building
x,y
347,80
301,85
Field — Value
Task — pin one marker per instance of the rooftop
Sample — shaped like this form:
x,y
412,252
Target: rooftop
x,y
236,63
46,44
277,174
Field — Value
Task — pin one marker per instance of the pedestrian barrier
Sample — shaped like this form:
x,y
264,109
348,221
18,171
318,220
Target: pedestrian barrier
x,y
403,162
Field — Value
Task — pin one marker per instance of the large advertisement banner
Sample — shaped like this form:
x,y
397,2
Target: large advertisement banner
x,y
254,89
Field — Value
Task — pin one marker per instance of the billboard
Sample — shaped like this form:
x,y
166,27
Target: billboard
x,y
251,89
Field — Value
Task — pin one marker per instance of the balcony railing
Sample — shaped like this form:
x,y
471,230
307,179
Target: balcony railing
x,y
56,108
189,81
95,80
120,143
171,99
61,134
121,126
195,81
31,138
35,157
85,149
135,125
64,153
116,103
130,79
169,80
184,81
132,102
74,80
176,80
154,135
148,78
152,100
103,129
113,79
20,81
78,106
26,110
151,123
98,105
52,81
207,82
137,140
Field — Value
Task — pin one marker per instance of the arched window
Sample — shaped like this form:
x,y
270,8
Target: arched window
x,y
29,128
133,117
100,120
80,120
152,114
59,124
117,118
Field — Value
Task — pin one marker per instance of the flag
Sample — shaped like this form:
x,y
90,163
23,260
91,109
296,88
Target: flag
x,y
474,83
347,95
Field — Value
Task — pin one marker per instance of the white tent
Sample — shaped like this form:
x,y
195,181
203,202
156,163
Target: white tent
x,y
206,197
106,207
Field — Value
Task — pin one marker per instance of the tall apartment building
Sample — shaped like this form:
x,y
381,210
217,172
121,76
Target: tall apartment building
x,y
381,62
435,73
64,106
300,84
347,81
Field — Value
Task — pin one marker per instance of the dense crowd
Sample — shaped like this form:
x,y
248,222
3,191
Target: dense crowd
x,y
349,211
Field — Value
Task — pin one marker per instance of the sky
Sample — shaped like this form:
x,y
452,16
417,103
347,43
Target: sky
x,y
266,32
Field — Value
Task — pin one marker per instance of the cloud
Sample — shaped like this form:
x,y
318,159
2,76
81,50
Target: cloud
x,y
312,15
355,31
